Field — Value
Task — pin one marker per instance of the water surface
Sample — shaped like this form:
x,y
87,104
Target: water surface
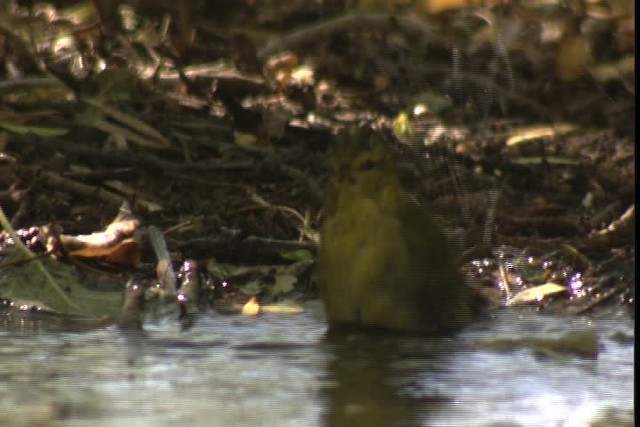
x,y
276,370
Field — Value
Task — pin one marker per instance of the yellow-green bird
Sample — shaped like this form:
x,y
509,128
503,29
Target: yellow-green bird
x,y
383,262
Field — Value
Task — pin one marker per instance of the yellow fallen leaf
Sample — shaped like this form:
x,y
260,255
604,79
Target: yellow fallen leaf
x,y
402,126
536,293
282,309
251,308
535,132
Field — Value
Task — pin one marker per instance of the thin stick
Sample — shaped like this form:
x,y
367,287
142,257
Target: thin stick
x,y
348,22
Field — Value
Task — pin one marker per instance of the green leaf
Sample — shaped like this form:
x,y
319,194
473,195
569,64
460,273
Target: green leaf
x,y
551,160
43,131
23,283
402,126
297,255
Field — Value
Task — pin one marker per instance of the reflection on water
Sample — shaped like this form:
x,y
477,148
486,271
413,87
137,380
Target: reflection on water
x,y
375,380
283,371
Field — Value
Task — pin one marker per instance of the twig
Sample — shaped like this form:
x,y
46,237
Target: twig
x,y
505,280
122,158
252,249
164,269
85,190
148,136
347,22
624,222
29,82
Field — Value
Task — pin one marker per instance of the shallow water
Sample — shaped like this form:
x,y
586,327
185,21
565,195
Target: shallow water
x,y
284,371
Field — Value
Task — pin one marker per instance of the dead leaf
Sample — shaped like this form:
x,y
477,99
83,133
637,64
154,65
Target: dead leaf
x,y
536,293
573,57
536,132
115,244
284,308
126,252
251,308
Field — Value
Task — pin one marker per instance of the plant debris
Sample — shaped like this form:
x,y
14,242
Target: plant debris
x,y
212,123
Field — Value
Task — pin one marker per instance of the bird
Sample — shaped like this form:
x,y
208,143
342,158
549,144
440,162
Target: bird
x,y
383,261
